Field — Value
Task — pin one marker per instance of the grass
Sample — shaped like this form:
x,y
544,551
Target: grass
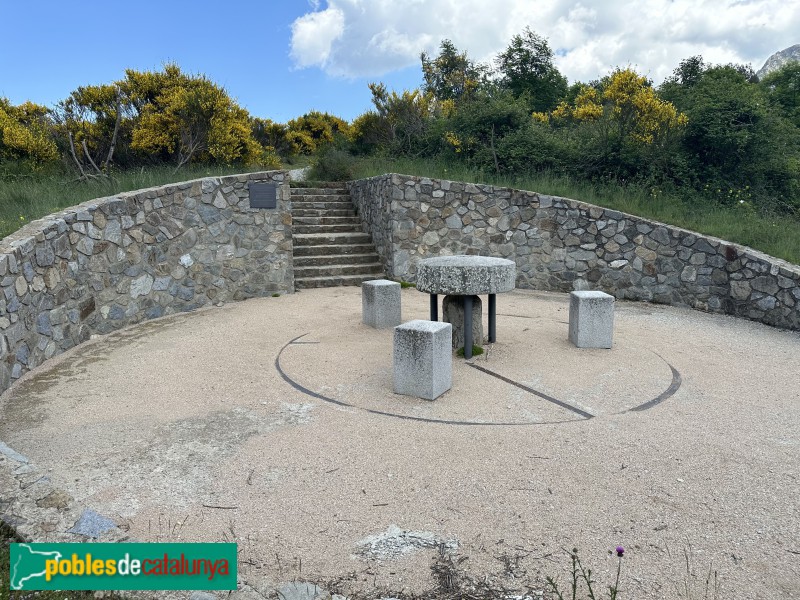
x,y
776,235
26,196
476,351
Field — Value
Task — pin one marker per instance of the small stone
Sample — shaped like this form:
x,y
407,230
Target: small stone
x,y
55,499
21,286
765,284
203,596
453,222
300,590
646,254
766,303
113,232
740,290
43,325
92,524
141,286
85,246
689,274
45,256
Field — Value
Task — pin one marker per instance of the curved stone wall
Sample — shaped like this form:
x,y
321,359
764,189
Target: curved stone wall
x,y
115,261
560,244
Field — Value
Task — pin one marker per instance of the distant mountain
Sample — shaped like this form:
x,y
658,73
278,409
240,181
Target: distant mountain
x,y
777,60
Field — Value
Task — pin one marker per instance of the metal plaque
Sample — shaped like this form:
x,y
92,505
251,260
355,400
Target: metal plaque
x,y
263,195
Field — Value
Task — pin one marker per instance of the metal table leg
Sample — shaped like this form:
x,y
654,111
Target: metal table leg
x,y
492,318
434,307
467,326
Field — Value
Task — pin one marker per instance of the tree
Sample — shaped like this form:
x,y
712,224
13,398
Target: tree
x,y
403,118
475,130
451,75
188,118
25,133
272,135
526,68
737,143
783,88
90,122
308,133
626,129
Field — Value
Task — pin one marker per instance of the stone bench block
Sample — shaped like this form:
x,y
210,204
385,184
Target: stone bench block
x,y
591,319
423,359
380,303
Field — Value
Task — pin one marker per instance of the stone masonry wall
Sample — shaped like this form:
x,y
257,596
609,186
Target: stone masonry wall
x,y
560,244
115,261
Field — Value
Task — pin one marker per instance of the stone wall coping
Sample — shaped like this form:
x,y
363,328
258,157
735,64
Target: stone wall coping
x,y
57,222
609,213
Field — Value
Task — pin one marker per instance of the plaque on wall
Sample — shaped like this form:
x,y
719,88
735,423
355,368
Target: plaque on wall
x,y
263,195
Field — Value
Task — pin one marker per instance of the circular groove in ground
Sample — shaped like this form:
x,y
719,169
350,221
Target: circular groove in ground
x,y
673,387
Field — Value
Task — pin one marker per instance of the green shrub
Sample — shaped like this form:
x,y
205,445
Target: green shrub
x,y
333,164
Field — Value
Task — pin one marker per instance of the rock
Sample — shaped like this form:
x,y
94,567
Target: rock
x,y
55,499
12,454
43,324
766,303
141,286
778,60
197,595
689,274
45,256
299,590
21,286
453,222
740,290
453,313
765,284
92,524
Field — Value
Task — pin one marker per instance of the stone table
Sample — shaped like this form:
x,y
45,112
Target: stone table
x,y
466,276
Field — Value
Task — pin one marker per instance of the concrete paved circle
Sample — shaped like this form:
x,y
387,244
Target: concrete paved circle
x,y
272,422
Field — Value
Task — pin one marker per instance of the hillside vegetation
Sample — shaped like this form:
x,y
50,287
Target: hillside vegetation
x,y
712,148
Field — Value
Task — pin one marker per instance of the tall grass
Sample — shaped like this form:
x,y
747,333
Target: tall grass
x,y
25,196
776,235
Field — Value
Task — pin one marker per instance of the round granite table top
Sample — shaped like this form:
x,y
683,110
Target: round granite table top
x,y
466,275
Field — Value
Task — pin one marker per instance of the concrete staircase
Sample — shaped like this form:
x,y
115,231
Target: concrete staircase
x,y
329,247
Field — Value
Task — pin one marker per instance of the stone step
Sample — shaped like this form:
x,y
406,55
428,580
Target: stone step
x,y
335,228
320,239
322,206
337,270
319,212
333,249
305,283
321,198
336,191
336,259
354,221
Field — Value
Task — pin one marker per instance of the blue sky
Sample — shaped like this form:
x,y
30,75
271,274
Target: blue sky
x,y
282,58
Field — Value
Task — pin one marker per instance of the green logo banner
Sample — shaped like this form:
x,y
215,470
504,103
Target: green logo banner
x,y
123,566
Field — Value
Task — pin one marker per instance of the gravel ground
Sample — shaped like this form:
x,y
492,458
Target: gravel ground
x,y
185,429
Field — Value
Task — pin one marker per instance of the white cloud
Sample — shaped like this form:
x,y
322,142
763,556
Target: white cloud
x,y
355,38
314,35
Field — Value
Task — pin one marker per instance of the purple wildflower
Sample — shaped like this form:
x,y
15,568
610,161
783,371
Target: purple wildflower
x,y
620,551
